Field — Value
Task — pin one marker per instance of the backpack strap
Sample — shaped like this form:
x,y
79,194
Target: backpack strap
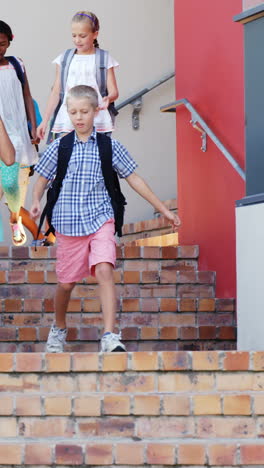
x,y
65,65
101,62
18,69
111,180
64,154
105,152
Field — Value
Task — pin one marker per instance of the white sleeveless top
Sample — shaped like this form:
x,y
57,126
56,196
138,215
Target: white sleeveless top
x,y
13,114
82,71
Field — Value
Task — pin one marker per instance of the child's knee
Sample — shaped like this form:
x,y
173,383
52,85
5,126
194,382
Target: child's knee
x,y
66,287
9,178
104,272
10,185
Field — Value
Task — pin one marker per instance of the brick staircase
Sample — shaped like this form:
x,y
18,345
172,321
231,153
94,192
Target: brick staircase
x,y
153,232
164,405
169,408
165,303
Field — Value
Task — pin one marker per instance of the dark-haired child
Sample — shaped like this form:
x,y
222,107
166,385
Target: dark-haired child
x,y
83,216
16,108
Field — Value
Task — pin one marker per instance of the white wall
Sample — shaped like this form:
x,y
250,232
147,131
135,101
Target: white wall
x,y
250,261
140,35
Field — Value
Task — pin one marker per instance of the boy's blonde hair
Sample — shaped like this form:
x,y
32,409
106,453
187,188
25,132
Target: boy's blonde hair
x,y
81,92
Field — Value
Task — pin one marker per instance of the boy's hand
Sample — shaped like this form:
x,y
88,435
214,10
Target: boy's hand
x,y
35,210
173,219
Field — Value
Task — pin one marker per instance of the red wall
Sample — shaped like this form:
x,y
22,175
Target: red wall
x,y
209,73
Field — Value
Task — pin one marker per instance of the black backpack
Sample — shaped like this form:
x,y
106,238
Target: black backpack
x,y
110,178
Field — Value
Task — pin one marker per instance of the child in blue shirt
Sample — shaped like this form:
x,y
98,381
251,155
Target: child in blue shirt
x,y
83,216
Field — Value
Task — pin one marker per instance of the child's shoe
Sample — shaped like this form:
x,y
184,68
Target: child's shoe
x,y
56,340
110,343
18,234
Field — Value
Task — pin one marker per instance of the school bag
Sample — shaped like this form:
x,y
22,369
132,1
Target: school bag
x,y
101,61
110,178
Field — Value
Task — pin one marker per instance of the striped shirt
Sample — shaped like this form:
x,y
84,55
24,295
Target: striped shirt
x,y
83,205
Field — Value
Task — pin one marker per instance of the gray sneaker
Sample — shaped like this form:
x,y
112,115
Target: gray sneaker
x,y
111,343
56,340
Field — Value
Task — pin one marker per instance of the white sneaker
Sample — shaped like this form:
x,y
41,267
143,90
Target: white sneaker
x,y
110,343
56,340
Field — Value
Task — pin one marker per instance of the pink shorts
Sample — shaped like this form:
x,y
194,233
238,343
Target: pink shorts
x,y
78,256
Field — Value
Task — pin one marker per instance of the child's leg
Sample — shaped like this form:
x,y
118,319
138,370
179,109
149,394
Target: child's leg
x,y
61,302
110,341
102,257
26,219
23,182
58,332
105,278
29,223
10,185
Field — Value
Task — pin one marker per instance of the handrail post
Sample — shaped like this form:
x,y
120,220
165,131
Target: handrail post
x,y
137,101
206,130
137,106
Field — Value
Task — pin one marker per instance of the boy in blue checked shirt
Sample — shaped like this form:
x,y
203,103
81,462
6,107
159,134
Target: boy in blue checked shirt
x,y
83,217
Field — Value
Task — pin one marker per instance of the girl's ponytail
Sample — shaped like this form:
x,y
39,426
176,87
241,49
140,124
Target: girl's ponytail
x,y
96,43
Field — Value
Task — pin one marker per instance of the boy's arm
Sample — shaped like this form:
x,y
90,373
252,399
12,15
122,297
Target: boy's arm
x,y
38,191
140,186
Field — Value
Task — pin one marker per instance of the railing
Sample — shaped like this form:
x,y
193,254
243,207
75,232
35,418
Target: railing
x,y
136,99
205,130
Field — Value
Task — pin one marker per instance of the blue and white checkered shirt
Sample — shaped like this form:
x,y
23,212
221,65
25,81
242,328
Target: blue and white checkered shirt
x,y
83,205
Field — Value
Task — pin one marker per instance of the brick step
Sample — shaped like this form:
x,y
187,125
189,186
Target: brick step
x,y
132,409
164,301
146,229
159,323
152,233
168,282
165,240
129,258
140,272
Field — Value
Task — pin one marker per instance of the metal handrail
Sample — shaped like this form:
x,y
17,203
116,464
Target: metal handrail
x,y
205,130
141,93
